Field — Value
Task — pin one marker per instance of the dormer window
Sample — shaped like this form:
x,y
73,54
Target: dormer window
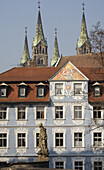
x,y
96,89
22,89
3,90
40,90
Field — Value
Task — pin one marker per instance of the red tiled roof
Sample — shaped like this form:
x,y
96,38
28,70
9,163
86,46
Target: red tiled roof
x,y
28,74
83,60
93,74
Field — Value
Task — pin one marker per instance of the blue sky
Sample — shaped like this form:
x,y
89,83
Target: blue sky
x,y
65,15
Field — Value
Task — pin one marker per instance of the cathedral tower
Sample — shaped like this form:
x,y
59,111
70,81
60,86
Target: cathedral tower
x,y
56,55
83,44
39,45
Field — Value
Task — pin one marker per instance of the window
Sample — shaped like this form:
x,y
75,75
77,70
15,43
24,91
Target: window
x,y
3,92
22,91
97,91
77,139
59,139
97,112
3,113
97,165
21,113
40,112
3,140
97,139
78,165
58,112
77,88
58,88
40,91
21,139
37,139
77,112
59,165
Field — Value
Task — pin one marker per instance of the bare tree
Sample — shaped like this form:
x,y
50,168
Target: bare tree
x,y
97,40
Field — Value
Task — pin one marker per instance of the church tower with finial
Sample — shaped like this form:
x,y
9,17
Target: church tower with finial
x,y
83,44
56,55
26,56
39,45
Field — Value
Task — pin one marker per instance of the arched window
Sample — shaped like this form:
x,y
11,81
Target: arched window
x,y
35,51
41,61
84,50
40,49
43,50
38,60
46,50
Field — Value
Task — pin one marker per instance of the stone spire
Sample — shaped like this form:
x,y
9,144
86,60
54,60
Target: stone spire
x,y
39,30
39,45
83,44
56,51
26,55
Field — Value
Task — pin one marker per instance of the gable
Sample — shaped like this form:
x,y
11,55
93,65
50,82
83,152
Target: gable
x,y
69,72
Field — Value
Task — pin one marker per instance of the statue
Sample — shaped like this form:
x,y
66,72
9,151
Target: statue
x,y
43,154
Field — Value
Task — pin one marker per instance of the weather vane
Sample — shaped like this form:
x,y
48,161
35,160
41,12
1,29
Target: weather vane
x,y
25,30
55,31
38,4
83,6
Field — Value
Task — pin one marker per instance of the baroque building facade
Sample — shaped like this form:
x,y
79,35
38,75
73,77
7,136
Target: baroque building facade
x,y
67,98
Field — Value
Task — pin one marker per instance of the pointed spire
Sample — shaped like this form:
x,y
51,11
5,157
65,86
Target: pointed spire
x,y
56,55
83,35
26,56
39,30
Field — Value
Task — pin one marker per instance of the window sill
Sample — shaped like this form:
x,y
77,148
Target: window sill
x,y
3,120
40,119
78,119
21,120
4,148
59,119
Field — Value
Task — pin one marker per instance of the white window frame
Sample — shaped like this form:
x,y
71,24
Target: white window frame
x,y
78,118
35,109
81,92
7,132
97,112
59,138
98,146
54,111
97,159
24,91
77,138
59,159
21,138
17,140
62,88
6,139
7,110
58,130
78,130
20,120
97,91
59,166
79,160
4,90
42,92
